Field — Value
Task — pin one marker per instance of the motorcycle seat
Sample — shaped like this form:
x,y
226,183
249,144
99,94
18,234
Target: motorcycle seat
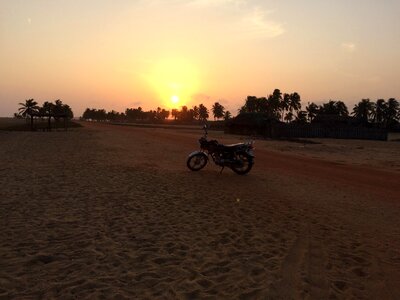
x,y
233,145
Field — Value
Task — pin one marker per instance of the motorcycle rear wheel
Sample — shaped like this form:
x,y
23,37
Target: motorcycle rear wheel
x,y
246,163
197,162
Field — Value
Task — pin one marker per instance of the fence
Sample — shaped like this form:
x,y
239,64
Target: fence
x,y
310,131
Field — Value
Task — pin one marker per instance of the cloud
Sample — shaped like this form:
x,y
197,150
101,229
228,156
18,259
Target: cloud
x,y
135,104
348,47
241,16
217,2
254,21
200,97
257,25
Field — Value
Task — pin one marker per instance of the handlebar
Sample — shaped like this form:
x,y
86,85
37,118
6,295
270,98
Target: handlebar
x,y
205,130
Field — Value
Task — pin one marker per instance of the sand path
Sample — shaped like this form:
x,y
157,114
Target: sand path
x,y
112,211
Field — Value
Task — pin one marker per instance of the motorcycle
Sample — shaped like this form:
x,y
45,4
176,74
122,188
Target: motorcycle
x,y
239,157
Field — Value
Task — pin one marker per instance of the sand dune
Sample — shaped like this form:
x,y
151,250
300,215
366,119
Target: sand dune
x,y
113,212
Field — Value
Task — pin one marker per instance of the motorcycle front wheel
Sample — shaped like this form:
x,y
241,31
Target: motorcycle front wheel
x,y
197,161
244,163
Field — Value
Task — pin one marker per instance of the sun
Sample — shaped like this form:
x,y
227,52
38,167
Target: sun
x,y
175,99
175,81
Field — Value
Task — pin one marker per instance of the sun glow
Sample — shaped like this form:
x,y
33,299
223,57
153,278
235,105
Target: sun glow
x,y
175,81
175,99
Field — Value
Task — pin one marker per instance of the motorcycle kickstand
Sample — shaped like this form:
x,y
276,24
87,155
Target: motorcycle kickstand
x,y
222,170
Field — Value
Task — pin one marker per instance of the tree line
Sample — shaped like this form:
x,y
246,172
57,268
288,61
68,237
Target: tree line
x,y
185,114
287,108
283,107
30,109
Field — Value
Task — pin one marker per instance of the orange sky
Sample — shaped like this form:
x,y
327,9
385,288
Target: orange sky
x,y
119,54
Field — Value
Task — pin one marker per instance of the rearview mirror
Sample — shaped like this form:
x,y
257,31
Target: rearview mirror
x,y
205,130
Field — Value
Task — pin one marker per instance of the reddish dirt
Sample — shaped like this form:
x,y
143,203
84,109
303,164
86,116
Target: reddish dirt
x,y
383,183
369,180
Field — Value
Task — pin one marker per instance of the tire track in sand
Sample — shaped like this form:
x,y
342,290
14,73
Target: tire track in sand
x,y
286,286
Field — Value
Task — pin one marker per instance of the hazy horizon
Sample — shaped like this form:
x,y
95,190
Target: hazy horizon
x,y
98,54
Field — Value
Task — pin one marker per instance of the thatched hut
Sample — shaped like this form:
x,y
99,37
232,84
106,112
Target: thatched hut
x,y
251,124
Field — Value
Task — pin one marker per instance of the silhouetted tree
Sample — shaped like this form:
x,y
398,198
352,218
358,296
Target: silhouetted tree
x,y
203,113
68,111
338,108
150,115
274,104
88,114
392,112
363,110
185,114
227,115
294,102
133,114
380,111
47,109
312,111
195,112
289,116
29,108
162,114
218,110
101,115
285,104
95,114
175,113
301,117
251,105
112,116
60,109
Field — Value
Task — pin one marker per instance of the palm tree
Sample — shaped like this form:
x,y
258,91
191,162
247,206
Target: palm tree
x,y
251,105
289,117
162,114
380,110
301,117
338,108
68,111
195,112
342,108
285,104
29,108
48,110
363,110
184,114
294,102
227,115
392,111
203,112
312,111
218,110
58,109
175,113
274,104
112,116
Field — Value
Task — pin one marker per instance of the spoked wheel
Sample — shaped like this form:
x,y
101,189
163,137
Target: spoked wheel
x,y
197,162
244,163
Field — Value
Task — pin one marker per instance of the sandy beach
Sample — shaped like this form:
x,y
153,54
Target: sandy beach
x,y
112,212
